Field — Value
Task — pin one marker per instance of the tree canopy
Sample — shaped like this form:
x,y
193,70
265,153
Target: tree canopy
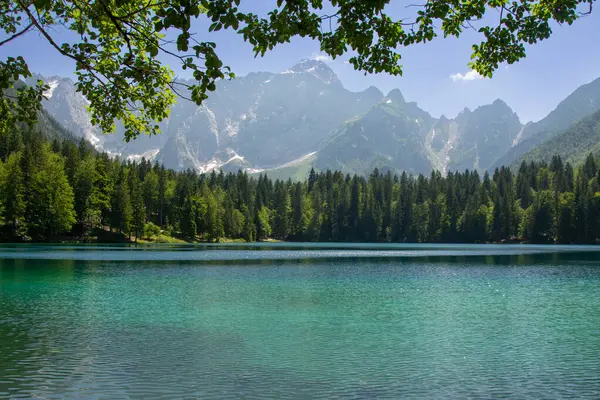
x,y
120,44
56,189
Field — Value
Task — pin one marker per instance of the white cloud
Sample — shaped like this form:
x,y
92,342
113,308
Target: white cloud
x,y
471,75
321,57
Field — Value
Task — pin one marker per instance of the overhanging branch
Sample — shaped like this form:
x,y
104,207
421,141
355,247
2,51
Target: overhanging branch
x,y
16,35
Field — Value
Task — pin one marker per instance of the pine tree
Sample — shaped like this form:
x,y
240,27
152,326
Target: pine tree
x,y
150,193
122,212
281,220
354,212
565,232
12,194
162,188
72,158
103,187
263,226
138,215
539,218
297,204
249,233
84,184
312,178
11,142
238,222
187,223
214,222
589,167
51,199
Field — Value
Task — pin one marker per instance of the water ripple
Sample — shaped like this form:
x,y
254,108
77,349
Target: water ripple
x,y
345,328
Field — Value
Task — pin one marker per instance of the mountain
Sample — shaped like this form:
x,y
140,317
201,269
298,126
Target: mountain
x,y
400,136
259,121
390,135
574,144
285,123
69,108
581,103
482,136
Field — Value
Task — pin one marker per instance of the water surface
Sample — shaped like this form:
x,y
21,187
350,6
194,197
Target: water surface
x,y
300,321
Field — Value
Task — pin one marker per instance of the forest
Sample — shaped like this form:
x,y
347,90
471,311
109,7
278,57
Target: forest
x,y
61,189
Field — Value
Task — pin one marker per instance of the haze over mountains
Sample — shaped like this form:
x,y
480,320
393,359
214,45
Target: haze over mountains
x,y
302,117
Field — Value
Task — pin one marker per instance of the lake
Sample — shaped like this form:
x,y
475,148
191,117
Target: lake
x,y
282,321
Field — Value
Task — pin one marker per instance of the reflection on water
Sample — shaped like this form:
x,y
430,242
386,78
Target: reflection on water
x,y
314,321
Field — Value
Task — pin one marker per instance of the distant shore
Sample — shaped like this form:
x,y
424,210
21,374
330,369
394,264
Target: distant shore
x,y
114,238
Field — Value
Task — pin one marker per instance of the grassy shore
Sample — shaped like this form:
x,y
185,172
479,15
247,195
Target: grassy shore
x,y
108,236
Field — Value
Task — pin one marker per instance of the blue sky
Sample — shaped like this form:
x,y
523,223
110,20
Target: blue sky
x,y
434,73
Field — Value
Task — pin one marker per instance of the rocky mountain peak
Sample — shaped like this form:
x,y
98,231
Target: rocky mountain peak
x,y
501,105
371,94
251,124
396,96
318,69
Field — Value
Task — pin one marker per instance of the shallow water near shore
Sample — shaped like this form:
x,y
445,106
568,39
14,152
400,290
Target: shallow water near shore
x,y
299,321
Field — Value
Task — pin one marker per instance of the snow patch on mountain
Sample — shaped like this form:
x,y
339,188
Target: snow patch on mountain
x,y
318,69
52,85
212,120
149,155
294,162
232,128
208,167
233,156
93,139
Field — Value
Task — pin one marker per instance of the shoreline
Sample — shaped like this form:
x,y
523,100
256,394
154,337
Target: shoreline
x,y
164,239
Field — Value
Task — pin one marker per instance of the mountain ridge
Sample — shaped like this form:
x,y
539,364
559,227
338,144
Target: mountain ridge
x,y
582,102
267,121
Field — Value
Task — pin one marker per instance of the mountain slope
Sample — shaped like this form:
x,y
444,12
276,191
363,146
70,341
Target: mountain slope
x,y
482,136
581,103
266,119
389,136
574,144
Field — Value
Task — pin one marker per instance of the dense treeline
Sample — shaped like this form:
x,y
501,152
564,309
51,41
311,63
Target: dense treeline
x,y
57,188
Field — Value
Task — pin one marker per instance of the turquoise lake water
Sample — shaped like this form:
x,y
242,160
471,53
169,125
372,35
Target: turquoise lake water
x,y
311,321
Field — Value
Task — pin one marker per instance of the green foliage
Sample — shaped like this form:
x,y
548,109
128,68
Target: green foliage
x,y
51,199
538,222
263,226
116,57
150,193
39,200
121,50
237,223
12,192
121,209
151,230
572,145
137,204
565,228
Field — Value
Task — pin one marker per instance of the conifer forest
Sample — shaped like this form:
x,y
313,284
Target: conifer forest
x,y
61,189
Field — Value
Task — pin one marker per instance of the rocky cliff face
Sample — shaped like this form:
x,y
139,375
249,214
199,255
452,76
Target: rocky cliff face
x,y
266,121
263,119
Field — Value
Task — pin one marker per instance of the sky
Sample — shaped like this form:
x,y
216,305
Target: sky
x,y
435,75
